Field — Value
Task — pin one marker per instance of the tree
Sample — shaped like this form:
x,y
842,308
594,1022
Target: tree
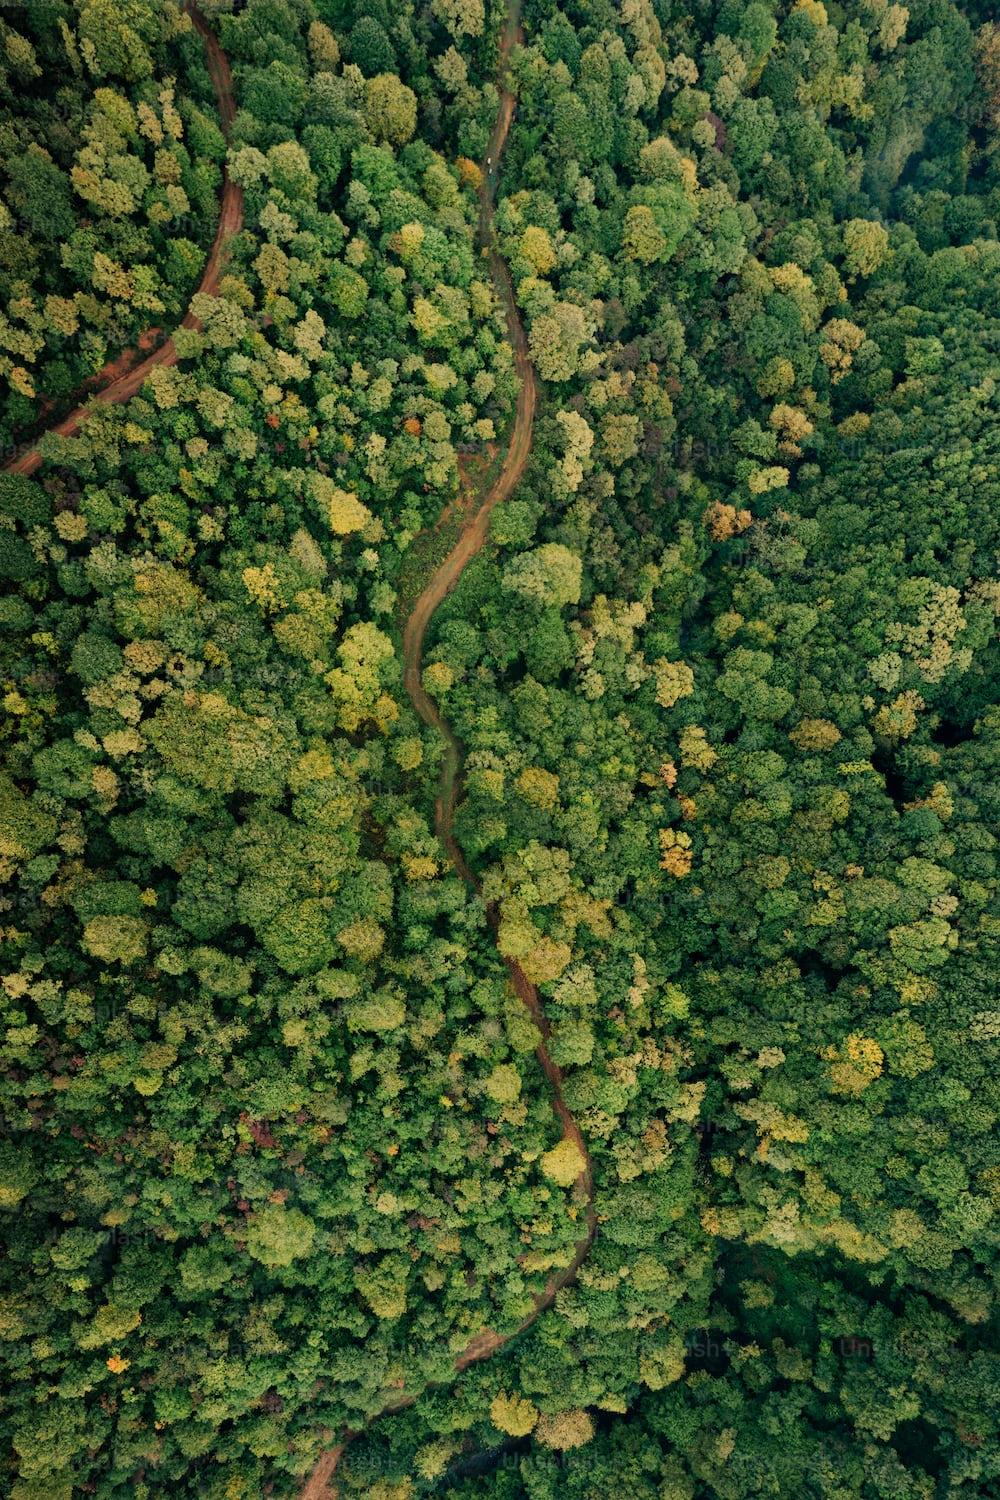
x,y
556,340
723,769
204,739
461,17
503,1085
299,936
866,246
371,48
564,1163
276,1235
564,1429
342,510
550,575
116,939
390,109
513,1414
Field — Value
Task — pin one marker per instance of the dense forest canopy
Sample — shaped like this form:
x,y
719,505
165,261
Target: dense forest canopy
x,y
279,1151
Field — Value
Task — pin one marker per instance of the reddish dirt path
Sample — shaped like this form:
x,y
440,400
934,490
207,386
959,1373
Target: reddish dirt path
x,y
487,1342
120,379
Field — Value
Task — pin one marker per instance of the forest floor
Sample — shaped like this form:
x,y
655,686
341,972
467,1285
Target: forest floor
x,y
472,534
121,378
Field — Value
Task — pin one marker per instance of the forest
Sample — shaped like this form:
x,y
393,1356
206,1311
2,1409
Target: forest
x,y
499,583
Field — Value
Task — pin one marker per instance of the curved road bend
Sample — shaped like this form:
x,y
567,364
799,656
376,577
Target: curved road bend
x,y
474,533
122,387
441,582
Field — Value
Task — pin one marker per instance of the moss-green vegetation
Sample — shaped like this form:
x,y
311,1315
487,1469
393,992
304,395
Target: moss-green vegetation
x,y
277,1145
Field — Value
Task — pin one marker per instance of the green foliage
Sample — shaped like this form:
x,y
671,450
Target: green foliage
x,y
108,189
278,1147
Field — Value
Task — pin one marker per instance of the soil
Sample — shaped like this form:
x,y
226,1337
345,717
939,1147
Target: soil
x,y
475,528
123,377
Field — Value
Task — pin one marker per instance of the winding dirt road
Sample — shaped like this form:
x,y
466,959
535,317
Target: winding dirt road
x,y
474,533
120,387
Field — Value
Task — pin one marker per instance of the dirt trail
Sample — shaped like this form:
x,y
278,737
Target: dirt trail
x,y
115,386
487,1342
123,383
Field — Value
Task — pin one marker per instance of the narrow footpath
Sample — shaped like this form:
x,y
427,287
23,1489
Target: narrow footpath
x,y
119,387
474,534
112,387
